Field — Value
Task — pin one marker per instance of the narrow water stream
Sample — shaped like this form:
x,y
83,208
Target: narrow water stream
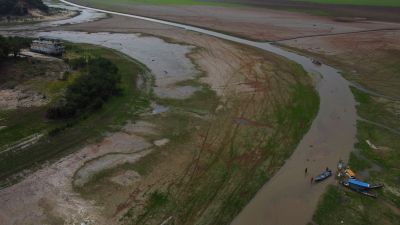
x,y
288,198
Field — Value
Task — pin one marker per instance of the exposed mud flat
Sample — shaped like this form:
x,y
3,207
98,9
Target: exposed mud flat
x,y
20,98
126,179
107,162
47,195
257,23
228,66
231,70
168,62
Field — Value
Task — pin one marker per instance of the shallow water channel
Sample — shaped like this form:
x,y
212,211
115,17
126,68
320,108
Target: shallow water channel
x,y
288,198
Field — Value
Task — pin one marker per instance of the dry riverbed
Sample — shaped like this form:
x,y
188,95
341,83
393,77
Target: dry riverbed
x,y
257,23
227,107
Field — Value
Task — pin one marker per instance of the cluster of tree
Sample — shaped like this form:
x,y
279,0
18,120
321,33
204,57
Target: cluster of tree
x,y
20,7
12,46
99,81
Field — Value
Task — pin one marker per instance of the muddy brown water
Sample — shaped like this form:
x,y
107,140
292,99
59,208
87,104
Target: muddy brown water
x,y
289,197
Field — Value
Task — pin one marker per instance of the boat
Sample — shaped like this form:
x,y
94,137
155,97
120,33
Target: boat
x,y
316,62
362,187
48,46
350,173
324,175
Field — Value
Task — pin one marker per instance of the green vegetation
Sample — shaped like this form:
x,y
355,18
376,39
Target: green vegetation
x,y
12,45
346,207
64,136
357,2
99,81
378,110
376,165
358,163
20,7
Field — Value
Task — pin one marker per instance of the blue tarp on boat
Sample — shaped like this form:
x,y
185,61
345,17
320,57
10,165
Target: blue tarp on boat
x,y
358,183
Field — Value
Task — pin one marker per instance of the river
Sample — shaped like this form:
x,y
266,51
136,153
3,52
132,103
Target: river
x,y
288,198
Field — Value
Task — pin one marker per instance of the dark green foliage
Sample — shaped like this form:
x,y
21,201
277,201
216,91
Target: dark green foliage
x,y
20,7
358,163
12,45
77,63
99,82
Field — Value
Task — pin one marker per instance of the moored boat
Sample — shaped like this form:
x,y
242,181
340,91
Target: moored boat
x,y
324,175
361,187
316,62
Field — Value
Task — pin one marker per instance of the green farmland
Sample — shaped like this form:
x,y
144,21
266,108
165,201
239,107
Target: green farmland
x,y
395,3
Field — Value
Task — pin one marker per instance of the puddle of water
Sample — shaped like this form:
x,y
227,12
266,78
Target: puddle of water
x,y
168,62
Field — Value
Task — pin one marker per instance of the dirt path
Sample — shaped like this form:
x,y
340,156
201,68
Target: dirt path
x,y
289,198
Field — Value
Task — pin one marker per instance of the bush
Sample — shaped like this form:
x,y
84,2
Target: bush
x,y
77,63
20,8
100,81
12,45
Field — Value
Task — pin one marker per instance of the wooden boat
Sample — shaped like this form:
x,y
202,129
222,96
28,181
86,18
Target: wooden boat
x,y
362,187
316,62
350,173
324,175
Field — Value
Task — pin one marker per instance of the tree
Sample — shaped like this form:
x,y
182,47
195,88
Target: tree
x,y
12,45
20,7
99,81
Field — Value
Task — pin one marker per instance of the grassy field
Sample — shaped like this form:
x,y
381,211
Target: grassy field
x,y
62,137
358,2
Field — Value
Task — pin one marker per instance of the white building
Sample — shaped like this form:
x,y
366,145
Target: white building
x,y
47,45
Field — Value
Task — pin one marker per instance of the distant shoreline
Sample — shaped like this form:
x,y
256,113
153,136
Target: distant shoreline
x,y
36,17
